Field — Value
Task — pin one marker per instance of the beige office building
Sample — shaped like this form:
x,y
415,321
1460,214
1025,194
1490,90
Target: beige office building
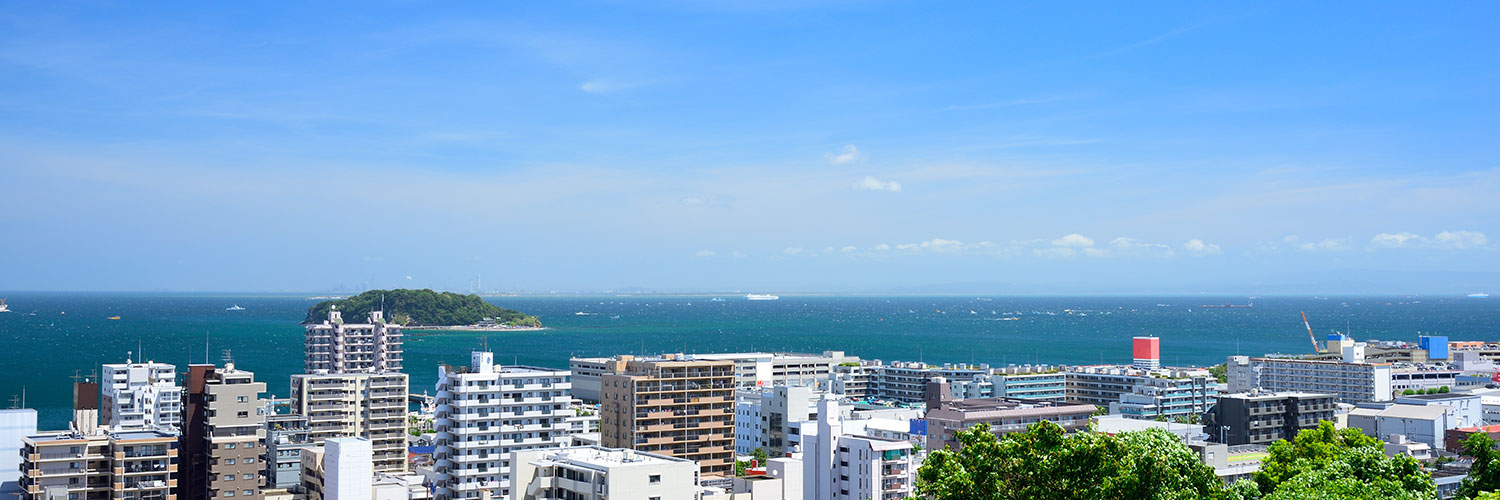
x,y
674,405
367,405
224,434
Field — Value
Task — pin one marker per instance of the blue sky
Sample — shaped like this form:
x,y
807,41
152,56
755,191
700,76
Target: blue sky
x,y
773,146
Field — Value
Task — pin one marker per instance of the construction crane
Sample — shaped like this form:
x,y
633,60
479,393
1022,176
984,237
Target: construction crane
x,y
1310,336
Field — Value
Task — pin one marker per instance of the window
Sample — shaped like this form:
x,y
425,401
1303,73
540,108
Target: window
x,y
229,477
249,460
229,446
248,477
229,461
656,479
240,399
249,492
229,493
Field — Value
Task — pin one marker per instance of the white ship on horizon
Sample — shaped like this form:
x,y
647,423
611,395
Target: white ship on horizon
x,y
236,307
4,308
761,296
1472,296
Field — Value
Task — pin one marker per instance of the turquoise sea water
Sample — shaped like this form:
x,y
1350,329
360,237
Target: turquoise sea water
x,y
51,336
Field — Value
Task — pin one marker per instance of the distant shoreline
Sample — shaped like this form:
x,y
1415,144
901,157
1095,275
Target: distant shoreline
x,y
475,328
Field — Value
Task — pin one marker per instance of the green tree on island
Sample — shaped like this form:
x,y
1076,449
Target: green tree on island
x,y
1484,475
421,307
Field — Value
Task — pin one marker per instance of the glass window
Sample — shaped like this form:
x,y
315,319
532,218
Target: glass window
x,y
229,493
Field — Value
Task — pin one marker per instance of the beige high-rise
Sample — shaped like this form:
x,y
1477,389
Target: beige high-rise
x,y
224,434
675,406
368,405
129,465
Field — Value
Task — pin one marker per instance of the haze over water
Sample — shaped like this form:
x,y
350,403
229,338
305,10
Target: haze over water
x,y
266,338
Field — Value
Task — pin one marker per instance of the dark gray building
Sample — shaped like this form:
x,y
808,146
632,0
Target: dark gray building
x,y
1264,417
286,437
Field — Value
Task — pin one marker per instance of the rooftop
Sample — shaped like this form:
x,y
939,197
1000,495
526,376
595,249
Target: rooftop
x,y
597,457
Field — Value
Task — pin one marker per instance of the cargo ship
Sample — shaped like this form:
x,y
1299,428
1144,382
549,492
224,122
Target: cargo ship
x,y
761,296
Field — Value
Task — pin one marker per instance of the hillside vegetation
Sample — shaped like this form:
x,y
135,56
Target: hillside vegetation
x,y
421,308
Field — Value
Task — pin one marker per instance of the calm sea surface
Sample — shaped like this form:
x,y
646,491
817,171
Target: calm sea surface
x,y
51,336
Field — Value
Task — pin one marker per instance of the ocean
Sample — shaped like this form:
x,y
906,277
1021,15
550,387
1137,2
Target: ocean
x,y
55,336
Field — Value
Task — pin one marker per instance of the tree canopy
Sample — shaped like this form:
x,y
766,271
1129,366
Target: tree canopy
x,y
1046,463
421,307
1346,464
1484,475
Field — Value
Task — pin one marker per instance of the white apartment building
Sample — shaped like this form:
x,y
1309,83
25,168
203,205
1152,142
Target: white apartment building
x,y
1353,380
337,347
765,418
487,411
346,405
839,466
347,469
599,473
140,396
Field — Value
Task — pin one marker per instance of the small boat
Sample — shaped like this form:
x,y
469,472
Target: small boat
x,y
581,313
716,299
615,317
113,317
761,296
1472,296
4,308
235,307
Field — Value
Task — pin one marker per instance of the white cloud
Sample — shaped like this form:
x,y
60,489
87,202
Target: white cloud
x,y
1073,240
1096,252
1397,240
873,184
706,253
827,250
1327,245
1054,252
792,250
849,154
738,255
942,245
1461,240
882,247
849,249
1198,247
1131,246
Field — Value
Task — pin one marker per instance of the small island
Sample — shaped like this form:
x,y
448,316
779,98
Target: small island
x,y
426,309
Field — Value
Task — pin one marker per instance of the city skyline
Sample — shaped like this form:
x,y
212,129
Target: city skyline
x,y
682,146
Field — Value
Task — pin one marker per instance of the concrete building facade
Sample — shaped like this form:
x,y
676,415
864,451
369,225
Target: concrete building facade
x,y
223,435
1353,380
677,406
946,416
140,396
368,405
334,346
100,465
1261,418
839,466
487,411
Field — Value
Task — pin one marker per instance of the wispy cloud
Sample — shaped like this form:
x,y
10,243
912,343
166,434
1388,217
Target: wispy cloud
x,y
872,184
706,253
1199,248
1461,240
792,250
1073,241
849,154
1397,240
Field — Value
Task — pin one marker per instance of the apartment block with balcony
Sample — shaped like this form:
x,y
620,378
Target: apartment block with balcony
x,y
484,412
842,466
675,405
140,396
334,346
906,382
224,433
367,405
120,465
1144,393
1353,379
1261,417
946,415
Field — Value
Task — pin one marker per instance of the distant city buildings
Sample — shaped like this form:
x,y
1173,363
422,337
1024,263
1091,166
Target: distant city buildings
x,y
1352,379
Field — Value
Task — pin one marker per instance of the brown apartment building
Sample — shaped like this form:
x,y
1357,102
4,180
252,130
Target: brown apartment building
x,y
224,434
673,405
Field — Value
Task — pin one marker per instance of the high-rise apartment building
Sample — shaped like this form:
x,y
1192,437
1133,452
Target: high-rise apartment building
x,y
334,346
224,434
751,369
286,439
141,396
486,411
841,466
675,405
367,405
598,473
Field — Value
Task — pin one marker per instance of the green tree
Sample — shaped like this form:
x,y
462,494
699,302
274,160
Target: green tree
x,y
1220,372
1408,392
421,307
1339,462
760,456
1484,475
1443,390
1045,463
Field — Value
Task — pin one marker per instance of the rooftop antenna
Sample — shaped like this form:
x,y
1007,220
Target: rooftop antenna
x,y
228,358
206,360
